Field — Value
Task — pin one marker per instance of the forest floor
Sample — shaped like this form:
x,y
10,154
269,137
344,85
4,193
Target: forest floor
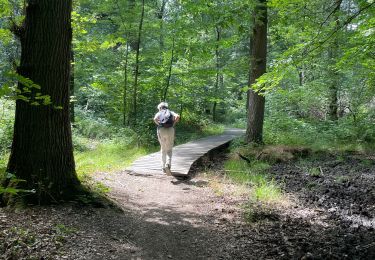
x,y
327,213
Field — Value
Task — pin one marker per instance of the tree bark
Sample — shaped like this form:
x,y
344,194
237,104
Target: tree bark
x,y
125,90
42,151
135,89
161,25
71,86
333,54
219,76
168,81
125,116
258,57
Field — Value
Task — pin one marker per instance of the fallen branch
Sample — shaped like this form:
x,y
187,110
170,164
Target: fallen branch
x,y
244,158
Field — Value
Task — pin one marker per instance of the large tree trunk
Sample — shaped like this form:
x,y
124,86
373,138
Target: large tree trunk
x,y
135,89
42,152
258,58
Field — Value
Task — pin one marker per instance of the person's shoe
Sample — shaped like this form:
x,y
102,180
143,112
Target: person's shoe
x,y
168,170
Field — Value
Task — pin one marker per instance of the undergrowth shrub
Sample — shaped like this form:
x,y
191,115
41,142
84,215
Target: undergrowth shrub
x,y
92,127
281,129
6,125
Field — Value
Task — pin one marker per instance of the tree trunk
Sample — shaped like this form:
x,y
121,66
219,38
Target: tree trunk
x,y
135,89
161,26
168,81
71,86
125,91
333,55
258,58
218,73
42,152
125,116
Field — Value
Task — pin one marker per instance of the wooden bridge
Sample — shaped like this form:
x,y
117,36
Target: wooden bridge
x,y
184,155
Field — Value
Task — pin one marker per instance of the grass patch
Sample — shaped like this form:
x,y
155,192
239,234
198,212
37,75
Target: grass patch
x,y
106,156
254,174
241,172
213,129
268,191
314,172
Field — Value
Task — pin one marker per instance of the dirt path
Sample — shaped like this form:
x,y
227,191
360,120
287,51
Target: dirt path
x,y
172,218
161,218
203,218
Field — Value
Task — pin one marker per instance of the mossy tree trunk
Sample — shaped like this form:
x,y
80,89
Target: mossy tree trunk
x,y
42,151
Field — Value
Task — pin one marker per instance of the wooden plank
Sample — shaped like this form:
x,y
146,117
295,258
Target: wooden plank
x,y
184,155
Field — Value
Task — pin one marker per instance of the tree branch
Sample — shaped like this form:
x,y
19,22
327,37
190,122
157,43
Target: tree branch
x,y
322,42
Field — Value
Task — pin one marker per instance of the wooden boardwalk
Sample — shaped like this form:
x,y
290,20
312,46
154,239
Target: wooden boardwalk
x,y
183,155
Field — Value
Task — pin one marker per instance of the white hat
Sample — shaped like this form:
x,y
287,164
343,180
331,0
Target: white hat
x,y
163,105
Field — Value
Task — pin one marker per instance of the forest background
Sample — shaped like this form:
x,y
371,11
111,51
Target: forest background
x,y
129,55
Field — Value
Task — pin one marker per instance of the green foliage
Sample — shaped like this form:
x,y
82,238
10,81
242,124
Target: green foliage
x,y
255,175
13,182
6,125
343,134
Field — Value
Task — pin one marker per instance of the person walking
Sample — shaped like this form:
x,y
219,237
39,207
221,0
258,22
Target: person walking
x,y
165,120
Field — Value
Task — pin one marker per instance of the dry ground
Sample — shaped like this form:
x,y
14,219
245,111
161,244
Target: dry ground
x,y
324,216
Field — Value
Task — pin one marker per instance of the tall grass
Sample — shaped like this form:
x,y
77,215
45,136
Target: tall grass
x,y
342,135
106,156
255,175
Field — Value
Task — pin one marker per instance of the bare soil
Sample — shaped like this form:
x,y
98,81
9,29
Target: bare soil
x,y
329,213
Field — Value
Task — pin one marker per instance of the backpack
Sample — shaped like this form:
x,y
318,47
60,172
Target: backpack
x,y
166,118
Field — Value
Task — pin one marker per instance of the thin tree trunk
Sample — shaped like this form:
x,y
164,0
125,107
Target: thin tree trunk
x,y
256,101
125,116
333,54
71,85
125,91
135,89
42,151
181,110
301,76
161,16
169,74
218,72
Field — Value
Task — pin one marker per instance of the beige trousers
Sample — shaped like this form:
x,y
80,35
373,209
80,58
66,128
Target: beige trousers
x,y
166,140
